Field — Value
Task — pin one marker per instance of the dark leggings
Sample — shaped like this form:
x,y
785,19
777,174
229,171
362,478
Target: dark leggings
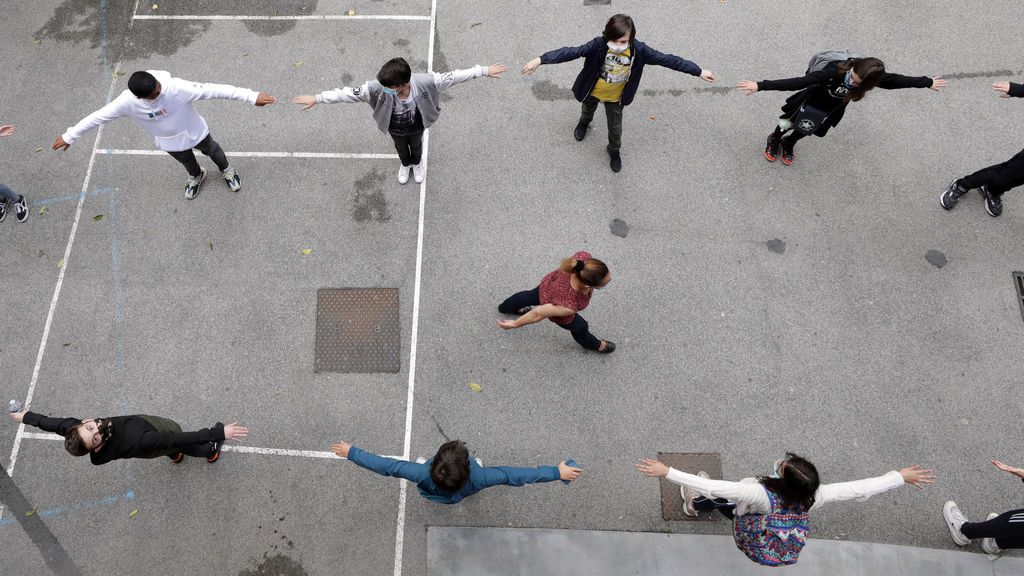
x,y
999,178
580,331
207,146
792,137
705,504
409,148
1007,529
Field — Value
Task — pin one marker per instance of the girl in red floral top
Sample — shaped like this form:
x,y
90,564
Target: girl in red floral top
x,y
561,294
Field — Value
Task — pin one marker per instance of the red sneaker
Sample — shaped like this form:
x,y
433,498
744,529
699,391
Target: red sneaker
x,y
771,150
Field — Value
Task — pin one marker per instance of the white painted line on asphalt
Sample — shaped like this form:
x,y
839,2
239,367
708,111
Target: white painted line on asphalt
x,y
345,155
42,436
279,17
411,394
67,257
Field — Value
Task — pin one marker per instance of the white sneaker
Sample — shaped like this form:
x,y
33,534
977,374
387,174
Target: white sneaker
x,y
421,460
417,172
403,174
989,544
479,462
954,520
689,494
231,177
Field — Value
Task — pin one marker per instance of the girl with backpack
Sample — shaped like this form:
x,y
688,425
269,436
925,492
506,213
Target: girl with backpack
x,y
833,79
770,512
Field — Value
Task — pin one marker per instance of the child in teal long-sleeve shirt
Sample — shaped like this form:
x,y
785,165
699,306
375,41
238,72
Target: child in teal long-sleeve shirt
x,y
451,474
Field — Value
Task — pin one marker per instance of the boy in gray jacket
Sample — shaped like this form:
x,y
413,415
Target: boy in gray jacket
x,y
404,105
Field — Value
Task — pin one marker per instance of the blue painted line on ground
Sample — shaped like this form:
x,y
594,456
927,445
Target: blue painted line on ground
x,y
58,510
69,198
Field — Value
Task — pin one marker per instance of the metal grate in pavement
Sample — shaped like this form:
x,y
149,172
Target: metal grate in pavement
x,y
357,330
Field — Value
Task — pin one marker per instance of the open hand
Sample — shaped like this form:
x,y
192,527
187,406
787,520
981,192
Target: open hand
x,y
341,449
917,476
747,86
707,75
1008,468
531,66
263,99
653,468
60,144
7,129
507,324
18,416
306,102
235,432
496,70
567,472
1003,87
938,83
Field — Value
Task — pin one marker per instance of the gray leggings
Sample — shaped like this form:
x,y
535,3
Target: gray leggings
x,y
7,194
207,146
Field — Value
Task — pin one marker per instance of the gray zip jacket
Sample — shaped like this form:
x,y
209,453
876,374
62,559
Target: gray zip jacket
x,y
426,89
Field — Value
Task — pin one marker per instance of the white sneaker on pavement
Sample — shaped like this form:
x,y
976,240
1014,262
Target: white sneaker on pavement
x,y
403,174
689,494
417,172
954,520
989,544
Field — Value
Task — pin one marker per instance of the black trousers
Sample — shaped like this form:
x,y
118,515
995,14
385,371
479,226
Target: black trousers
x,y
579,328
207,146
409,147
724,507
1007,529
999,178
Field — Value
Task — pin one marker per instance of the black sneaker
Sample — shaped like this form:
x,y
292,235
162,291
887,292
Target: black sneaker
x,y
21,209
3,210
193,184
231,177
993,203
616,160
952,195
771,150
787,151
215,447
581,131
609,347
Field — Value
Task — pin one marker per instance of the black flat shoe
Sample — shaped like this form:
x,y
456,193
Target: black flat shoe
x,y
609,347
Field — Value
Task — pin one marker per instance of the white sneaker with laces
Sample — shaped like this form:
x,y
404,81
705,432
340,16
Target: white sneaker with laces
x,y
689,494
192,185
989,544
479,462
418,171
231,177
421,460
954,520
403,174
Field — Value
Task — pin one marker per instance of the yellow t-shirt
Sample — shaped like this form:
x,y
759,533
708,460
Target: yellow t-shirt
x,y
613,77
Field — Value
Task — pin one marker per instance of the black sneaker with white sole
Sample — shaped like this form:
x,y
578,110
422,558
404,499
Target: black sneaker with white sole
x,y
231,177
21,209
193,185
952,195
993,203
3,210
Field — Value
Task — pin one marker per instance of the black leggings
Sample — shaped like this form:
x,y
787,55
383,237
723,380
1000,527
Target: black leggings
x,y
579,328
793,135
207,146
705,504
409,148
1007,529
999,178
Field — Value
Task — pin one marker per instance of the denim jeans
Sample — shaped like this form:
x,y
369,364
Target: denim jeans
x,y
7,194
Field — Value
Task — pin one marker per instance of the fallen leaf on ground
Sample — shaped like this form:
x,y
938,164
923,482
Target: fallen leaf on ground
x,y
475,387
120,73
65,344
30,512
39,149
297,64
155,6
42,210
133,513
97,218
60,263
351,12
37,41
307,251
210,242
474,25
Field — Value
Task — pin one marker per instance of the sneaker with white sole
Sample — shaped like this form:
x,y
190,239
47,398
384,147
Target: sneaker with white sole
x,y
952,195
3,210
403,174
993,202
193,185
418,171
989,544
689,494
421,460
479,462
21,209
954,520
231,177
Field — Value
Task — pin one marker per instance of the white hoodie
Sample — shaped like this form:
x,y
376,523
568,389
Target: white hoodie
x,y
171,119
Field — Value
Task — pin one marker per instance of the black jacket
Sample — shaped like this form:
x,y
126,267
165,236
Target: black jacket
x,y
824,90
137,436
595,51
1017,91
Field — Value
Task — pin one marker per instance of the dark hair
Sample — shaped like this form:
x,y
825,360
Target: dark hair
x,y
618,26
142,83
869,70
394,72
73,441
590,271
450,468
798,484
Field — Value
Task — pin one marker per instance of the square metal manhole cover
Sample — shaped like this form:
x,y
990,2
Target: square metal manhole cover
x,y
357,330
671,499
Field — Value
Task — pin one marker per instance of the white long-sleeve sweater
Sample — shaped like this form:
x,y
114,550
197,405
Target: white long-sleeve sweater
x,y
171,119
750,496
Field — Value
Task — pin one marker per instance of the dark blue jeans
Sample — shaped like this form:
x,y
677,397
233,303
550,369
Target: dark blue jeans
x,y
579,328
7,194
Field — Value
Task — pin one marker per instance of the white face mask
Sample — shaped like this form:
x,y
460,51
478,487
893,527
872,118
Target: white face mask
x,y
618,48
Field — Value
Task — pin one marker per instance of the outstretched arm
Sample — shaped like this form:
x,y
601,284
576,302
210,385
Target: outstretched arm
x,y
56,425
345,95
868,487
786,84
1018,472
751,495
108,113
564,54
194,91
153,440
382,465
1009,89
445,80
898,81
512,476
536,314
678,64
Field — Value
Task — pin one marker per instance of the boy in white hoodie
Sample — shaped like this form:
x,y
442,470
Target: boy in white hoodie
x,y
165,107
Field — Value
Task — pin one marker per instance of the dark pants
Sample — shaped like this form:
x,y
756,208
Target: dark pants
x,y
207,146
409,147
613,110
1007,529
167,425
723,506
7,195
792,136
579,328
999,178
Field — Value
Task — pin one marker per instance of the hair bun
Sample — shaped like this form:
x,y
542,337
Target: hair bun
x,y
580,265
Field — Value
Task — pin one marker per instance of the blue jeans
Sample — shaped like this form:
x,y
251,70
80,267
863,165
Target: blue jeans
x,y
7,194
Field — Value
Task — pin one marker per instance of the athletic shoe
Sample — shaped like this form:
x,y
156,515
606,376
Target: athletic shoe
x,y
989,544
479,462
689,494
954,520
771,150
215,451
193,184
177,458
231,177
21,209
993,203
3,210
417,172
616,160
524,310
403,174
952,195
787,150
609,347
581,131
421,460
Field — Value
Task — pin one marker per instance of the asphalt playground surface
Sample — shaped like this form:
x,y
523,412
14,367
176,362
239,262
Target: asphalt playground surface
x,y
758,309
